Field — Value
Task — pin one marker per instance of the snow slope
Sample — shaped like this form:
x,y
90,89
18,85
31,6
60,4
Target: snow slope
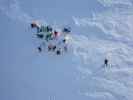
x,y
79,74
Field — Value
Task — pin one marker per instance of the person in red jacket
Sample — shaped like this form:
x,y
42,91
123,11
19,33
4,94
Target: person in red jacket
x,y
56,34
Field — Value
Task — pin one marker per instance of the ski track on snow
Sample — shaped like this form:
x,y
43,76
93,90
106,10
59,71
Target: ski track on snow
x,y
12,9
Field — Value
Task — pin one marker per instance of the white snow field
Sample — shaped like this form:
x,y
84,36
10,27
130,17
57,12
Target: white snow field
x,y
100,30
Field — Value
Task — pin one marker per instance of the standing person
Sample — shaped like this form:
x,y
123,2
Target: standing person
x,y
48,36
39,49
106,62
36,24
42,46
65,43
56,34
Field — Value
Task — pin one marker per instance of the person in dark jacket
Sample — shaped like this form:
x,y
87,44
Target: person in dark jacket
x,y
36,25
66,29
39,49
106,62
58,52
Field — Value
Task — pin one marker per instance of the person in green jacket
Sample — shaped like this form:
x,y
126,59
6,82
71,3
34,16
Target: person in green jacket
x,y
49,36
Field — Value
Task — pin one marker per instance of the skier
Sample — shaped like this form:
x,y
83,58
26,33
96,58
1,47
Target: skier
x,y
48,28
42,46
66,30
65,44
49,36
36,25
56,34
65,41
58,52
106,62
39,49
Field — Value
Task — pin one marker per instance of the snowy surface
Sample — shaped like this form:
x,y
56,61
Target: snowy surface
x,y
100,29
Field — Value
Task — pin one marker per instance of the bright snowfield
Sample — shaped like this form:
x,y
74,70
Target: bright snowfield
x,y
100,28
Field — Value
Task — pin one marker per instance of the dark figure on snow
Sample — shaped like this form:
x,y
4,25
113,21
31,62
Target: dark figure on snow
x,y
40,36
66,29
36,25
33,25
49,28
65,46
106,62
58,52
39,49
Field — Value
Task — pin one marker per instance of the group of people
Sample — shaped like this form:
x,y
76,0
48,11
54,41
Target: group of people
x,y
52,39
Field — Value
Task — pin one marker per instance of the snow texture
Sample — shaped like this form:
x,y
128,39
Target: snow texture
x,y
78,74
